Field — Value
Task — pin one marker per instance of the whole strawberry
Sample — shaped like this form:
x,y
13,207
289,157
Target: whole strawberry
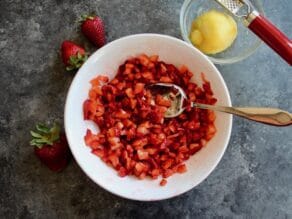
x,y
51,147
93,28
73,55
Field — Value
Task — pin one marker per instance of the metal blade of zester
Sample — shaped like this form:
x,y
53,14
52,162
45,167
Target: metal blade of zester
x,y
231,5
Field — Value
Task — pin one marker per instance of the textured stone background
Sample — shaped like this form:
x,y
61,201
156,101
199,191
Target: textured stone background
x,y
254,178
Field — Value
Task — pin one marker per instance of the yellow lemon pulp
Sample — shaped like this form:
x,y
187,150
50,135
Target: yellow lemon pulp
x,y
213,32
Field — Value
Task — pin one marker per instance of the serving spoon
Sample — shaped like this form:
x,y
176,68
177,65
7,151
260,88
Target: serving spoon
x,y
270,116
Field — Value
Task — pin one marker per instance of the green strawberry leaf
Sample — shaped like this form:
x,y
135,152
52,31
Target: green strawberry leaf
x,y
70,68
55,132
76,61
45,135
86,17
43,141
35,134
34,143
42,128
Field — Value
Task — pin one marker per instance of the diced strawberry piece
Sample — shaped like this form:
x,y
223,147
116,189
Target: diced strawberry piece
x,y
163,68
144,60
142,154
198,91
163,182
122,172
210,132
121,85
163,157
97,90
167,164
140,143
160,100
211,116
89,137
153,58
130,92
129,65
143,129
173,136
114,160
172,155
167,173
121,114
161,137
133,103
155,172
89,109
95,82
192,97
119,125
115,81
129,148
166,79
109,89
99,152
183,149
182,168
114,140
139,87
203,142
211,129
138,75
148,75
161,110
114,143
102,78
142,175
152,151
131,133
157,139
183,69
193,125
113,132
191,86
139,167
195,147
99,110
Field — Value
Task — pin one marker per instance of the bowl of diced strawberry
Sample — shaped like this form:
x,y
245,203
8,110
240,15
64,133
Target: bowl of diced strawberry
x,y
116,128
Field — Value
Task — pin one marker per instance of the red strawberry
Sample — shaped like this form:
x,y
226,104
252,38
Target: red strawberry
x,y
93,28
51,147
73,55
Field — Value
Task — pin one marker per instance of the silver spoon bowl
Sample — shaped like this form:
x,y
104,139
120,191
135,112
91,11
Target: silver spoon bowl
x,y
270,116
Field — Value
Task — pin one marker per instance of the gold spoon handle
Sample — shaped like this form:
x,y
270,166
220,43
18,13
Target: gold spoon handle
x,y
270,116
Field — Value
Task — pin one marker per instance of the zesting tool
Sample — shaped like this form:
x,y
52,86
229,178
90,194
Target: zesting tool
x,y
261,26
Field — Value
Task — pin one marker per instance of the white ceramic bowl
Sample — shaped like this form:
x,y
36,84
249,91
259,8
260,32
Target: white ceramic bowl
x,y
106,61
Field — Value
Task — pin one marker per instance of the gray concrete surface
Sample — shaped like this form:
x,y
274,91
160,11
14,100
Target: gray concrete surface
x,y
254,178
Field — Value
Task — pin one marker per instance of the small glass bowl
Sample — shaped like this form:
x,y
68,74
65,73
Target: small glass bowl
x,y
245,44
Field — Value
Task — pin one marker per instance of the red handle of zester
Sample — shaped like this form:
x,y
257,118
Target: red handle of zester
x,y
272,36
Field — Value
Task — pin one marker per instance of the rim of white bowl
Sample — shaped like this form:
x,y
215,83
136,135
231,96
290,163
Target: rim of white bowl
x,y
81,165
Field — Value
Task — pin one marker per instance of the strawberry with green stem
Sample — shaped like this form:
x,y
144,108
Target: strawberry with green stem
x,y
73,55
51,146
92,27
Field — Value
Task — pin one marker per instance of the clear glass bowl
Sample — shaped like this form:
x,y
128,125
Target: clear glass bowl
x,y
245,44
